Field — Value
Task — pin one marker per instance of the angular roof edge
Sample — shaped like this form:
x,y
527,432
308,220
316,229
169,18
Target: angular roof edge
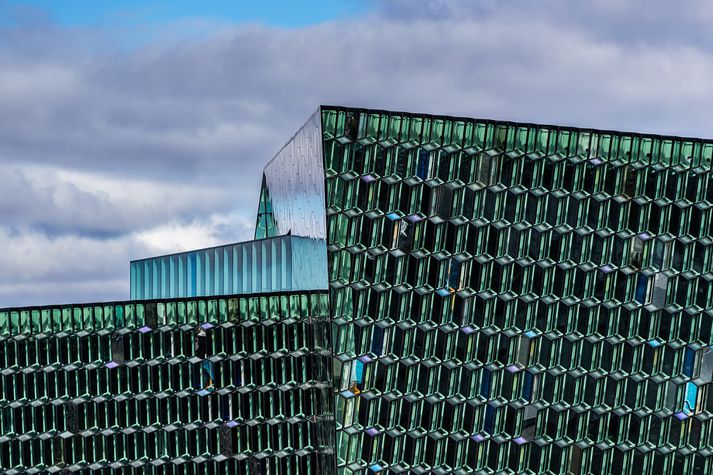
x,y
508,122
215,247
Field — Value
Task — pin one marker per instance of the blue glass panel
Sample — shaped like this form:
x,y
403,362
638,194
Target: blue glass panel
x,y
225,407
377,343
191,274
134,279
641,284
485,383
180,276
527,386
196,376
424,158
359,372
309,260
443,292
689,358
208,375
454,274
689,404
489,425
654,343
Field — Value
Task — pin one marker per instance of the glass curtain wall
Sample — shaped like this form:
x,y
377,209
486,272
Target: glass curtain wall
x,y
233,384
518,298
285,263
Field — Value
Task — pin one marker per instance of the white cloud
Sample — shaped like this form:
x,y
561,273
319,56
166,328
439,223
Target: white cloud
x,y
207,232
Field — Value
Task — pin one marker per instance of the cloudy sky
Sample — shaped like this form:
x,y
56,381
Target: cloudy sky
x,y
128,130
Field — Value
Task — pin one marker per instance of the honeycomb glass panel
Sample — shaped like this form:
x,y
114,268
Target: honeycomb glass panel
x,y
137,392
527,298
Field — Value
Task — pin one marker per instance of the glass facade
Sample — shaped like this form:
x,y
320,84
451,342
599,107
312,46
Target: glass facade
x,y
235,384
261,266
292,198
425,294
516,298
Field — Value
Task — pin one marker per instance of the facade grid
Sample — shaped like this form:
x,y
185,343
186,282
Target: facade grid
x,y
518,298
202,385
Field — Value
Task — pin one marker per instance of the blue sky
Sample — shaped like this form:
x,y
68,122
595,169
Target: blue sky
x,y
285,13
137,128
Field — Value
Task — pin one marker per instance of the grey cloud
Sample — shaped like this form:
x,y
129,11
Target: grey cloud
x,y
40,270
48,292
56,203
647,22
218,108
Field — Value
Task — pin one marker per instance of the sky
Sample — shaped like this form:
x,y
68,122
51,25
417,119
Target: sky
x,y
91,13
128,131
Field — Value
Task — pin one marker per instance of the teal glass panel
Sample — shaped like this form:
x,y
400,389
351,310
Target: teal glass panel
x,y
286,263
